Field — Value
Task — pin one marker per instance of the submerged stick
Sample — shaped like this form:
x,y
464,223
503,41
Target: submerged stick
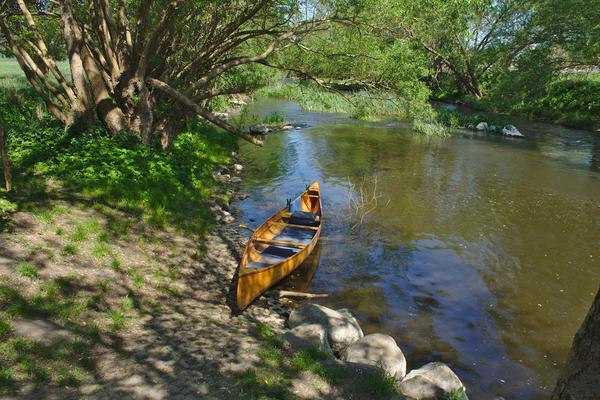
x,y
287,293
247,227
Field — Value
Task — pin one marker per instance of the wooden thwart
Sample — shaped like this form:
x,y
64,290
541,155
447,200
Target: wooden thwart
x,y
312,228
281,242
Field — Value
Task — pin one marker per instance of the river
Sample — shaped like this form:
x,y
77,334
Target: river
x,y
482,251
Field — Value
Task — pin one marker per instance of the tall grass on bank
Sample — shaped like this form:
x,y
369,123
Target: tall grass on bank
x,y
365,105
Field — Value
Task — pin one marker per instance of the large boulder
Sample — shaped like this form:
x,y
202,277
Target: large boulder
x,y
431,381
308,335
341,326
511,130
379,350
482,126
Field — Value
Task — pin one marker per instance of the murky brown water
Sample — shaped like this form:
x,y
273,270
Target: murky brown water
x,y
487,256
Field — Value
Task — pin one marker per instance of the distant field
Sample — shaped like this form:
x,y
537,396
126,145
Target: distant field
x,y
12,77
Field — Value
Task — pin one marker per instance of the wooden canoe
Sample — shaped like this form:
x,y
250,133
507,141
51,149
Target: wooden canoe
x,y
280,245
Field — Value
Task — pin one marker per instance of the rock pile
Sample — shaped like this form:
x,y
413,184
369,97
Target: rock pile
x,y
507,130
337,332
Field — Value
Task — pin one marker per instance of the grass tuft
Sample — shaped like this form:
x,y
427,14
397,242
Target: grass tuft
x,y
28,270
70,249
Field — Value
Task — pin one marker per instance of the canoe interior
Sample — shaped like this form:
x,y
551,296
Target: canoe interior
x,y
285,240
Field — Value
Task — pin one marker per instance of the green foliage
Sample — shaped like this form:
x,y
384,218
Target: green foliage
x,y
164,187
7,207
457,394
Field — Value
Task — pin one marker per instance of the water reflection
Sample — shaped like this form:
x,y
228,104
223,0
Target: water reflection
x,y
486,256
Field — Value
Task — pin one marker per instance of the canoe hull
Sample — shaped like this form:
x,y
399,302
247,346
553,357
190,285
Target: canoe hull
x,y
252,282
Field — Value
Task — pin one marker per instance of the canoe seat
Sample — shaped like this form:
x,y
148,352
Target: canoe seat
x,y
297,235
303,218
273,254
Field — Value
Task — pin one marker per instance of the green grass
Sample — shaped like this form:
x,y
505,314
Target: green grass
x,y
271,379
70,249
430,128
27,269
13,78
100,250
117,320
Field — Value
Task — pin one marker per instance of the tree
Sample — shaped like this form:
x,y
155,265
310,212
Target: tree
x,y
464,39
150,66
4,156
579,379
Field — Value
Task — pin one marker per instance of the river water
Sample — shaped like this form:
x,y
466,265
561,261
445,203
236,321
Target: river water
x,y
482,251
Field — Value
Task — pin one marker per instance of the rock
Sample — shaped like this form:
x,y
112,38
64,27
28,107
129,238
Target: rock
x,y
511,130
431,381
228,219
235,179
287,127
223,178
341,326
482,126
226,213
259,129
237,102
222,115
233,154
378,350
308,335
238,167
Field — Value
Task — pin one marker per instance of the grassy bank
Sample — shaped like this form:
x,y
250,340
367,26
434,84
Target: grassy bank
x,y
568,99
97,234
281,370
362,105
365,105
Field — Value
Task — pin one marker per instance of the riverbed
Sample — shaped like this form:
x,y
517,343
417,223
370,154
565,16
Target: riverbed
x,y
480,251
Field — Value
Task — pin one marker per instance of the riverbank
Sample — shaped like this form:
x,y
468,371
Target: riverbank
x,y
116,273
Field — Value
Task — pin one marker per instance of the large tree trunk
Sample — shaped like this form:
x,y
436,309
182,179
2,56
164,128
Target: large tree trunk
x,y
4,155
580,378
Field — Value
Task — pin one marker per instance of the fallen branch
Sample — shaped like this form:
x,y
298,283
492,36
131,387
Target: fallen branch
x,y
287,293
246,227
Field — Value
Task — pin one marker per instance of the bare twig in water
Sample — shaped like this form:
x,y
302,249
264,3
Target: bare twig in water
x,y
363,199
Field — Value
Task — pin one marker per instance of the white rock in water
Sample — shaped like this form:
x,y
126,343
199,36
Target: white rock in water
x,y
378,350
511,130
342,328
482,126
431,381
228,219
237,102
236,179
287,127
238,167
306,336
